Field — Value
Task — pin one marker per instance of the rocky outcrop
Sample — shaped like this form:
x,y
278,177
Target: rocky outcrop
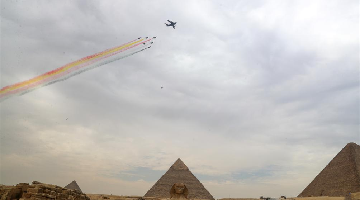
x,y
39,191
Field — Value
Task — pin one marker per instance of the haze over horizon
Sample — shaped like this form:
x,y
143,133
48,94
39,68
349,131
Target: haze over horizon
x,y
256,97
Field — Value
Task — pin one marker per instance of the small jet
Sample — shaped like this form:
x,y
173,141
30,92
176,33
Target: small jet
x,y
171,24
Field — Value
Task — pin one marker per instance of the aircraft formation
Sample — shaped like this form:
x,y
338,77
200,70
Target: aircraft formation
x,y
77,67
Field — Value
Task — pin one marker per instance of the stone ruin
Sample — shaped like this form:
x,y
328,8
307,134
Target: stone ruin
x,y
39,191
340,177
178,173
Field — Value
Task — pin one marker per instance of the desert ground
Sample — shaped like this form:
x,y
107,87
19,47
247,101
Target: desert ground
x,y
41,191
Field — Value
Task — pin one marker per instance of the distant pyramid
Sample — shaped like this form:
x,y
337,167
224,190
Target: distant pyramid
x,y
73,186
179,173
340,177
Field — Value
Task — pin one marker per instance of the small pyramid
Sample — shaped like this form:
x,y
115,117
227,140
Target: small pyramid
x,y
73,186
340,177
179,173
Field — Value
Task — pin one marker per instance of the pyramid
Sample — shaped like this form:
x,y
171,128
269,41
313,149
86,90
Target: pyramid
x,y
179,173
340,177
73,186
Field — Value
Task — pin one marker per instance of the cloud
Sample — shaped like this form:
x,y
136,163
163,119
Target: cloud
x,y
255,94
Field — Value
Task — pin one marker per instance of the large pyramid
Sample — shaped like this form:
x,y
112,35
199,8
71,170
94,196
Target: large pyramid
x,y
73,186
179,173
340,177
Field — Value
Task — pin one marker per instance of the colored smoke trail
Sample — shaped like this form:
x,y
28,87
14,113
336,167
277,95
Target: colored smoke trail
x,y
77,67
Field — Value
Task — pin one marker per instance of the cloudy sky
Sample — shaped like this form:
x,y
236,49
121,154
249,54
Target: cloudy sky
x,y
258,96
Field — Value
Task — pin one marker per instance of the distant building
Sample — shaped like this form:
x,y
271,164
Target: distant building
x,y
340,177
73,186
179,173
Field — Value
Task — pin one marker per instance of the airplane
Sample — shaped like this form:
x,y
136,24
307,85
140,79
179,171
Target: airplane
x,y
171,24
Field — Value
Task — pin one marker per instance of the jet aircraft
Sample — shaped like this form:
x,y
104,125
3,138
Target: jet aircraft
x,y
171,24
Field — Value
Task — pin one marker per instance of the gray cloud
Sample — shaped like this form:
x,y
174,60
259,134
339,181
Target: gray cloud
x,y
257,96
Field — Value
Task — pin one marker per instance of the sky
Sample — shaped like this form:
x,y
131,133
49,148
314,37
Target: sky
x,y
256,97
